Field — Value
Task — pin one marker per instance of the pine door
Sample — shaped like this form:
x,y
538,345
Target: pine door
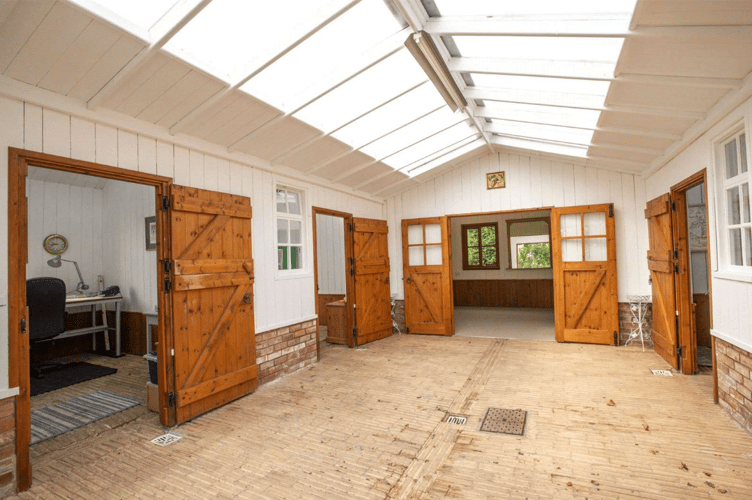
x,y
373,308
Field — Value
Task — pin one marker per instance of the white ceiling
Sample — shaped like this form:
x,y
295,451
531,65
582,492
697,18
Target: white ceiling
x,y
328,88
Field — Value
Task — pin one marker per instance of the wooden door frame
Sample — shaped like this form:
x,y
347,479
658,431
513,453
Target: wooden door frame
x,y
349,278
687,334
18,343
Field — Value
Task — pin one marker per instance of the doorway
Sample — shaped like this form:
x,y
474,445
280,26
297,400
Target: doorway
x,y
503,275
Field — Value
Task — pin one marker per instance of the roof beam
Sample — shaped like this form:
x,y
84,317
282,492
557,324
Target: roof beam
x,y
160,33
485,112
578,70
535,26
270,57
567,135
626,149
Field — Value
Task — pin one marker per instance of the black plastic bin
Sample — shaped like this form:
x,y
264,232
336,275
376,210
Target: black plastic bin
x,y
151,360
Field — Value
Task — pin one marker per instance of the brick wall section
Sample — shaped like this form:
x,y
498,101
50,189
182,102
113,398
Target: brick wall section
x,y
7,447
285,350
735,382
626,324
399,315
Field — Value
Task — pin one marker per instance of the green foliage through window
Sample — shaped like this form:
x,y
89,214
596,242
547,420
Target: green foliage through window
x,y
533,255
481,246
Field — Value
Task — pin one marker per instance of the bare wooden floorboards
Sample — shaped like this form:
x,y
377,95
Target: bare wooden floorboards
x,y
367,424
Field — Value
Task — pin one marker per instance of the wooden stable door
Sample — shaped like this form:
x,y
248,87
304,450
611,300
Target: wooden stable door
x,y
584,260
427,257
661,266
212,300
373,308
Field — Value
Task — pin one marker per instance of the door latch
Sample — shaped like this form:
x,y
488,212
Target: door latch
x,y
247,298
23,325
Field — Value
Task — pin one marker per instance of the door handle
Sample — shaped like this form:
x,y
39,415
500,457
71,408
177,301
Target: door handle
x,y
409,279
247,298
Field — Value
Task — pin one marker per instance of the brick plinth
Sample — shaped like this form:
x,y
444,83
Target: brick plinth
x,y
626,324
285,350
399,315
7,447
735,381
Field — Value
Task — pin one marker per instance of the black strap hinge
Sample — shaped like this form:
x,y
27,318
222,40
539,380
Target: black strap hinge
x,y
23,325
167,266
165,203
681,351
350,228
611,210
676,269
171,399
673,206
167,285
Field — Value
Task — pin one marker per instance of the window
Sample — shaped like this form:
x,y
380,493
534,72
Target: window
x,y
289,229
424,244
736,180
480,246
529,243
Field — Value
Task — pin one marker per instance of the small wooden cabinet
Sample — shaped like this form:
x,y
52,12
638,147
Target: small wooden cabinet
x,y
337,322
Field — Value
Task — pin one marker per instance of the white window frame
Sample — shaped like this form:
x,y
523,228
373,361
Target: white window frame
x,y
743,272
303,219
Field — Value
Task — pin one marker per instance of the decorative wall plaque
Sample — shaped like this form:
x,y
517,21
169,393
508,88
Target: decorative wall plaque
x,y
496,180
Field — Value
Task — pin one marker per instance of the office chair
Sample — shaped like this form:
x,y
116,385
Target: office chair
x,y
45,298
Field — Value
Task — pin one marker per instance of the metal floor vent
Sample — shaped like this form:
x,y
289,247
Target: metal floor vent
x,y
664,373
504,421
166,439
456,419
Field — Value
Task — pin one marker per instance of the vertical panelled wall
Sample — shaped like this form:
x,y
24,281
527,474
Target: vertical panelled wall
x,y
531,183
731,291
279,300
330,242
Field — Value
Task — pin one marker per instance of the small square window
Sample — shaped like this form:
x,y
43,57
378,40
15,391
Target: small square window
x,y
480,246
734,190
289,229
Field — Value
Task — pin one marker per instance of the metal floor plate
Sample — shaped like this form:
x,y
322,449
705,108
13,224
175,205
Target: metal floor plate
x,y
504,421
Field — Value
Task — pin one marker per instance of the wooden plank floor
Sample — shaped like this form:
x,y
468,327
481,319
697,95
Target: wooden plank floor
x,y
368,424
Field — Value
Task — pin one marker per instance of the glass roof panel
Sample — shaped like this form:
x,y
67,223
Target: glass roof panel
x,y
142,13
451,155
532,113
291,80
438,154
541,84
430,145
230,38
542,48
544,132
414,132
391,116
372,88
495,7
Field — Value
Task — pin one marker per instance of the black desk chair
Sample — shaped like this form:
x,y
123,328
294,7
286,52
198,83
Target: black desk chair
x,y
45,298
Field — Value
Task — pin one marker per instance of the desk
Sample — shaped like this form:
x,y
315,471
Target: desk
x,y
93,302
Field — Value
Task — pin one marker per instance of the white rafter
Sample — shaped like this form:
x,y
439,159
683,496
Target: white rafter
x,y
159,34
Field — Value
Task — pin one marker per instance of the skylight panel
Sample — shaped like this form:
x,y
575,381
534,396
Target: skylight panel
x,y
443,160
430,145
543,132
532,113
387,80
141,13
541,48
442,152
391,116
495,7
541,84
414,132
230,38
292,79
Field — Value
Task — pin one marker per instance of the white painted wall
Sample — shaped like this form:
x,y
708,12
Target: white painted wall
x,y
67,128
731,292
532,182
74,212
496,274
127,263
330,242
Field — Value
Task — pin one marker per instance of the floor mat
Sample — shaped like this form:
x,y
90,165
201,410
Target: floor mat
x,y
69,374
60,418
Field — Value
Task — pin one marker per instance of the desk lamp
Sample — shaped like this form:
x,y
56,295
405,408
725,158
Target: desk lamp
x,y
57,261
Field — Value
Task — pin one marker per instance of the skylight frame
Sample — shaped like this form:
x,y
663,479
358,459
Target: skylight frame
x,y
123,13
484,8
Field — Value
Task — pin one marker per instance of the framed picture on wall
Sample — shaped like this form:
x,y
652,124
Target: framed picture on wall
x,y
151,233
496,180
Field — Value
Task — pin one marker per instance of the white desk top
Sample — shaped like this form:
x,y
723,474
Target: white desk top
x,y
83,300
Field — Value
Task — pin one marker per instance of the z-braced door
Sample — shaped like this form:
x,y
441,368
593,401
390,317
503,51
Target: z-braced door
x,y
661,266
584,258
212,300
427,257
373,308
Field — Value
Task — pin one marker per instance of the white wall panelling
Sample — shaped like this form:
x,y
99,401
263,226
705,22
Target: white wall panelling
x,y
330,242
108,138
532,182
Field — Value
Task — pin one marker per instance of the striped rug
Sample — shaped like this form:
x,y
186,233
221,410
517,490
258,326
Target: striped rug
x,y
60,418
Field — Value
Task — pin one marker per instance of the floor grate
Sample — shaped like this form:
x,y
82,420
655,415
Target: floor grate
x,y
166,439
504,421
456,419
664,373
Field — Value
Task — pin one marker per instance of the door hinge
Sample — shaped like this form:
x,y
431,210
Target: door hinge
x,y
676,268
676,254
350,228
165,203
407,329
23,325
616,338
352,272
352,261
167,285
673,206
171,399
355,336
167,266
611,210
681,351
